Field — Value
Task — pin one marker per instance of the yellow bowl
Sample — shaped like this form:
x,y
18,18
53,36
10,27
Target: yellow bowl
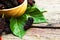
x,y
16,11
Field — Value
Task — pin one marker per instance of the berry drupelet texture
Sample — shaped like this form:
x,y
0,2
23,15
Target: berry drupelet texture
x,y
28,23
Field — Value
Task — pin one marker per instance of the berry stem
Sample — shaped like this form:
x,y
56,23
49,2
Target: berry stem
x,y
3,15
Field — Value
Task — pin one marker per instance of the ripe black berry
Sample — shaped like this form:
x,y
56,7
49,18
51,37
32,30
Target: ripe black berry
x,y
31,2
1,6
1,32
6,3
7,30
20,1
4,25
14,2
28,23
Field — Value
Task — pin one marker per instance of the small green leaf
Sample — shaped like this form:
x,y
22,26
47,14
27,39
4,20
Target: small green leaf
x,y
17,26
36,14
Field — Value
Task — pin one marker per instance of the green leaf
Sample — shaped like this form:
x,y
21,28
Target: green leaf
x,y
17,26
36,14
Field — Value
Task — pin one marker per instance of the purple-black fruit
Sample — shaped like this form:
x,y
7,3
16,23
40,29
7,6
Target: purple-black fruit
x,y
20,1
6,3
1,6
31,2
14,2
7,30
28,23
1,32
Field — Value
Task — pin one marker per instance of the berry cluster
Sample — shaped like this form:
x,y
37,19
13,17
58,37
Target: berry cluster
x,y
5,4
4,26
31,2
28,23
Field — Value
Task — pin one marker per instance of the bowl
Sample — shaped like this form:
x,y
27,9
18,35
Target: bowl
x,y
16,11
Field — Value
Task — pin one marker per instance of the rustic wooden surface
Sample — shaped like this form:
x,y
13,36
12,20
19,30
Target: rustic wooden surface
x,y
42,34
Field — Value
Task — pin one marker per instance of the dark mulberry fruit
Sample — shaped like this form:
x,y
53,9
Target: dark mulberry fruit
x,y
1,32
28,23
14,2
7,30
20,1
1,6
31,2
